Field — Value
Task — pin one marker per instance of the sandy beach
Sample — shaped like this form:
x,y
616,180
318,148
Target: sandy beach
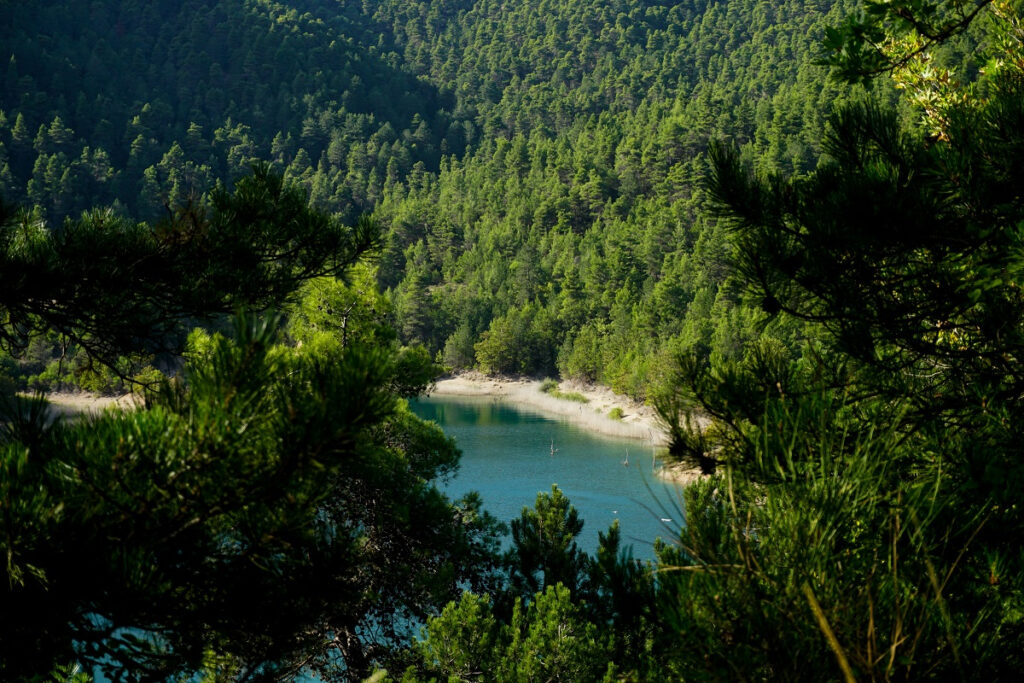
x,y
639,421
72,404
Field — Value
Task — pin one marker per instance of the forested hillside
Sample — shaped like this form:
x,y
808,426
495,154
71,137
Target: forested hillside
x,y
142,103
599,189
535,165
571,239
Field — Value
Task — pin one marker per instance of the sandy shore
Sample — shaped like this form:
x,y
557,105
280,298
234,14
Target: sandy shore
x,y
639,421
69,404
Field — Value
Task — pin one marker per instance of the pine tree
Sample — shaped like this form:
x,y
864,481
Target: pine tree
x,y
864,506
271,510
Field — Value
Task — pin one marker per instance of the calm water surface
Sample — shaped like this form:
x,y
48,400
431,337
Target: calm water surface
x,y
507,457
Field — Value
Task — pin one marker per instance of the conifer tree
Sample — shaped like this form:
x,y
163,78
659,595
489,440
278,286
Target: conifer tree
x,y
269,511
864,506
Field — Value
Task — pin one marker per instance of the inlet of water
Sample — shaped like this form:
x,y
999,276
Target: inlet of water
x,y
509,455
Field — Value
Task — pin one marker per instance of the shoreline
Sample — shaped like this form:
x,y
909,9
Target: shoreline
x,y
639,421
71,404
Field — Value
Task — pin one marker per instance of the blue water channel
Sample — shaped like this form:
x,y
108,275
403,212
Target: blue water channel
x,y
510,454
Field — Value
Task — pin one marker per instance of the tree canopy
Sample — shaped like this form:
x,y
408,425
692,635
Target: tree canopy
x,y
270,510
113,286
534,167
670,198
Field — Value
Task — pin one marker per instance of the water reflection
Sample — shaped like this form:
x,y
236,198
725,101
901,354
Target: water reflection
x,y
509,455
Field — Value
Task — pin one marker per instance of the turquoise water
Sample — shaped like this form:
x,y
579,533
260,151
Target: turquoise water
x,y
509,455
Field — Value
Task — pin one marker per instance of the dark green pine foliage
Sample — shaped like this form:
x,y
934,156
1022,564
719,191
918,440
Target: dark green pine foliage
x,y
561,615
270,510
544,551
868,522
266,514
535,168
113,286
863,517
142,104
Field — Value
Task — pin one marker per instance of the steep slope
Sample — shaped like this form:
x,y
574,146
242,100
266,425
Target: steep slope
x,y
572,239
142,103
537,165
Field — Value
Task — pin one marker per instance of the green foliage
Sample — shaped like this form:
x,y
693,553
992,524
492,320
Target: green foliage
x,y
537,171
8,385
888,36
550,387
603,628
921,276
544,548
460,643
573,396
616,413
50,362
458,349
415,371
517,156
861,524
549,639
516,344
592,212
333,312
70,673
114,287
247,519
581,356
145,136
254,480
200,344
840,532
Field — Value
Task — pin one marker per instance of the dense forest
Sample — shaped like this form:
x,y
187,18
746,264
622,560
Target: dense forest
x,y
278,220
535,167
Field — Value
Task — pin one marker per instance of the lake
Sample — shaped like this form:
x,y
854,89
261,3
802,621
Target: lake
x,y
510,454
